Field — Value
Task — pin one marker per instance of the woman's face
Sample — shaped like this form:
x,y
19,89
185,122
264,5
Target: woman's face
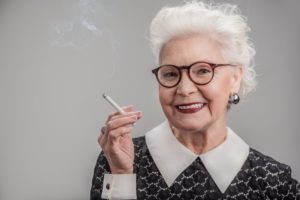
x,y
192,107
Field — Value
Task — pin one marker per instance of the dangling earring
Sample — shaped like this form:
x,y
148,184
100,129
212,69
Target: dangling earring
x,y
234,99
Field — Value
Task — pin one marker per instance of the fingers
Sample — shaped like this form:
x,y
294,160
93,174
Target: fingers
x,y
119,121
116,128
127,109
115,134
118,125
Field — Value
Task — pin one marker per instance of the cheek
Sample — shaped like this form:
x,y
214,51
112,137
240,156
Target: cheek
x,y
166,96
217,92
163,98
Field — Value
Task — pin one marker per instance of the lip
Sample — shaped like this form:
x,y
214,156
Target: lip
x,y
189,108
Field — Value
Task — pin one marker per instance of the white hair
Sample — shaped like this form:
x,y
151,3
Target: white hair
x,y
223,22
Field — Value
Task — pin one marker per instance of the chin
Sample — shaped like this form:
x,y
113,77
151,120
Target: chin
x,y
188,125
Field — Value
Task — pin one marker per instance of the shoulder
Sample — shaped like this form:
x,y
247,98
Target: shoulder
x,y
272,176
267,168
266,165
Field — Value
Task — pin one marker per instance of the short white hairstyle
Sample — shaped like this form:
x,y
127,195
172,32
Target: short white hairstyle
x,y
222,22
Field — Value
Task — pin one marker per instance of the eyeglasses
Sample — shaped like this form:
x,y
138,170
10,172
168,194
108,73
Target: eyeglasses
x,y
200,73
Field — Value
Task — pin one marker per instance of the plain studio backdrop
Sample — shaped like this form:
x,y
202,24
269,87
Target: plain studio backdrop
x,y
58,57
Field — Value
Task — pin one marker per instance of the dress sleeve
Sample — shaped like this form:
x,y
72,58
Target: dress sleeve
x,y
111,186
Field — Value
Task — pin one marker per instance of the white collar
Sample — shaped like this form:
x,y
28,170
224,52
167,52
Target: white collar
x,y
172,158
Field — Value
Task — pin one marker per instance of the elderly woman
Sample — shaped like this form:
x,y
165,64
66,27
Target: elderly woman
x,y
205,64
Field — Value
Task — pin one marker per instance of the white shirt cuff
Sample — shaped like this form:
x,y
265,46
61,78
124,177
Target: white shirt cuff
x,y
119,186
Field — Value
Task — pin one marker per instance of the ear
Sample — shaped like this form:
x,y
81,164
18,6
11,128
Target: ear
x,y
238,72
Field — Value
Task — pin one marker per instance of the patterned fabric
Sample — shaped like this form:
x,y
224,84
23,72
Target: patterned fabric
x,y
261,177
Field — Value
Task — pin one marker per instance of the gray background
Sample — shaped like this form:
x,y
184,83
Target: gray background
x,y
58,57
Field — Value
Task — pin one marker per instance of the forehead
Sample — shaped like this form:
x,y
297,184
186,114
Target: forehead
x,y
188,49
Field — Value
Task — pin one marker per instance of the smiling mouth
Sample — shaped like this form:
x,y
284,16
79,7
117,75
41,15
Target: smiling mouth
x,y
190,108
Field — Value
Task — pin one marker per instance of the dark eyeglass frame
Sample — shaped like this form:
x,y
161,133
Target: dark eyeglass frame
x,y
188,67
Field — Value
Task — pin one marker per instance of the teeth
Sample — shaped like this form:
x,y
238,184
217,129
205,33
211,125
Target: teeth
x,y
190,106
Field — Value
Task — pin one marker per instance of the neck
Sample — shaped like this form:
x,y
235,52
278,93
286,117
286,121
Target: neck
x,y
201,141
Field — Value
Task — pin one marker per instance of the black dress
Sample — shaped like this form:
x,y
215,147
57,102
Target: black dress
x,y
261,177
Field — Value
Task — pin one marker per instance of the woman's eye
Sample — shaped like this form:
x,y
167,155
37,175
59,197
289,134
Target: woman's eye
x,y
203,71
170,75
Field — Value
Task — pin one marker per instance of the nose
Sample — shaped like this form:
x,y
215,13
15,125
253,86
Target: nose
x,y
186,86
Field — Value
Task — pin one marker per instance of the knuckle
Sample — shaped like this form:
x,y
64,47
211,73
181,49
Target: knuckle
x,y
109,126
116,117
110,116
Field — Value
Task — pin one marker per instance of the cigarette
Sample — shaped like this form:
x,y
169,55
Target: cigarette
x,y
113,103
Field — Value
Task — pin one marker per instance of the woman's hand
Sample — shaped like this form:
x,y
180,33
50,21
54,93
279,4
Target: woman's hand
x,y
116,141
